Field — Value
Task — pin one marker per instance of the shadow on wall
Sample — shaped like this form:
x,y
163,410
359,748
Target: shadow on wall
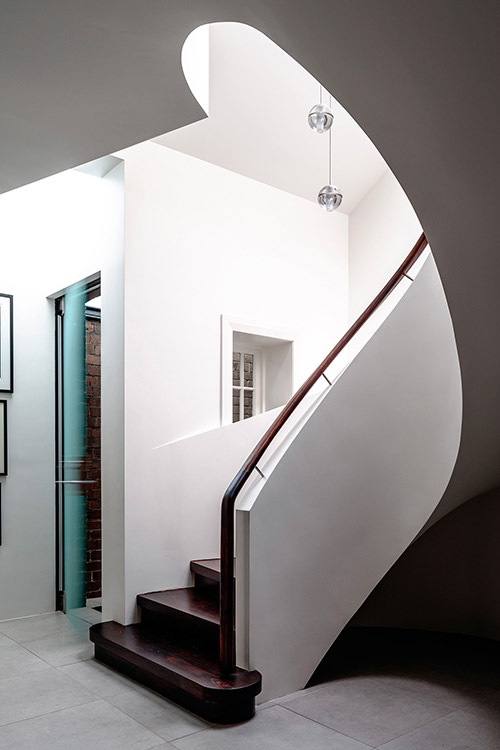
x,y
448,579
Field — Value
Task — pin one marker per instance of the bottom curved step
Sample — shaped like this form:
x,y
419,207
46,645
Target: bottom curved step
x,y
189,677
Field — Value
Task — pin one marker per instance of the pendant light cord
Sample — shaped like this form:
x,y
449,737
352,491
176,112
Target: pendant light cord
x,y
330,149
330,156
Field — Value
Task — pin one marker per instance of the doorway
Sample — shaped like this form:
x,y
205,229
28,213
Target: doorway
x,y
78,450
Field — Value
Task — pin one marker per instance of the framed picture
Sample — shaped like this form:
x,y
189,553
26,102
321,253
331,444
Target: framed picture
x,y
3,437
6,344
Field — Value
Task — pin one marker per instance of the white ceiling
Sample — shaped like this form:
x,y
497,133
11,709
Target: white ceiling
x,y
259,101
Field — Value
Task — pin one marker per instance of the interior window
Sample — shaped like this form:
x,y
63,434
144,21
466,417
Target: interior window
x,y
246,376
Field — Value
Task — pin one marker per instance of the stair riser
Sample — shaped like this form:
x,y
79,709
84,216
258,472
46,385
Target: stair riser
x,y
207,585
189,629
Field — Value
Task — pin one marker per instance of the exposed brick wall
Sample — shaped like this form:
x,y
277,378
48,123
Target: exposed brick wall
x,y
93,462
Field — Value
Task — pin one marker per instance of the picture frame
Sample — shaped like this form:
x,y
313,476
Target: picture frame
x,y
3,437
6,343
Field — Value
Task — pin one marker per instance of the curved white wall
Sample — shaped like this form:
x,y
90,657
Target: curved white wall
x,y
352,491
382,229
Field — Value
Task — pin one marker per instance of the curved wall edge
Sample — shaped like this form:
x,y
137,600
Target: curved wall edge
x,y
352,490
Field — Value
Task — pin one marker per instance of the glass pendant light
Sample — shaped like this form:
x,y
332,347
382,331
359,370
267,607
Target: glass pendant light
x,y
330,197
320,118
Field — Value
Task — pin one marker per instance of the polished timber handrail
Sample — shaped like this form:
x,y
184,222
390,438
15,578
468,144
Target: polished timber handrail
x,y
227,587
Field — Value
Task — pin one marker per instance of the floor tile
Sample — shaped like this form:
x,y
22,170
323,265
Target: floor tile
x,y
28,628
487,707
39,693
290,696
274,728
301,693
16,660
164,718
93,725
59,649
437,699
98,678
367,710
452,694
458,730
87,614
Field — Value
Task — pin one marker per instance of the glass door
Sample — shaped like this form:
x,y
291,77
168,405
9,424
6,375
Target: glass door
x,y
71,468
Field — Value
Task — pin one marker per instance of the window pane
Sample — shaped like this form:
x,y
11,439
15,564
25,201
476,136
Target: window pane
x,y
247,404
248,370
236,404
236,368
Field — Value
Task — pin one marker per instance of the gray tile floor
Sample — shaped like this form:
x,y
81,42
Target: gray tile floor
x,y
418,692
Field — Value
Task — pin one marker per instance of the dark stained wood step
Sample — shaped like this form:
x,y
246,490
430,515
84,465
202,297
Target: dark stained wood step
x,y
189,677
190,615
207,568
190,602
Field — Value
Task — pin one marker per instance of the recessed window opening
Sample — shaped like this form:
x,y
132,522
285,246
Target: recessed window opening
x,y
256,369
247,381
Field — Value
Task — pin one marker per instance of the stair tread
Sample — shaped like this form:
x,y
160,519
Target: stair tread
x,y
209,568
170,659
190,601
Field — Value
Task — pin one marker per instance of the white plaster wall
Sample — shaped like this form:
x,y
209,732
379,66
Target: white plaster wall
x,y
52,233
216,456
201,241
382,230
352,491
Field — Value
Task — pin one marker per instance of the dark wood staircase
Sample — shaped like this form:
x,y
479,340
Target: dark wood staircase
x,y
174,650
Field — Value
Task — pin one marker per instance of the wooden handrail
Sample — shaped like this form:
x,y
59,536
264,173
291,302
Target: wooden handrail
x,y
227,587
